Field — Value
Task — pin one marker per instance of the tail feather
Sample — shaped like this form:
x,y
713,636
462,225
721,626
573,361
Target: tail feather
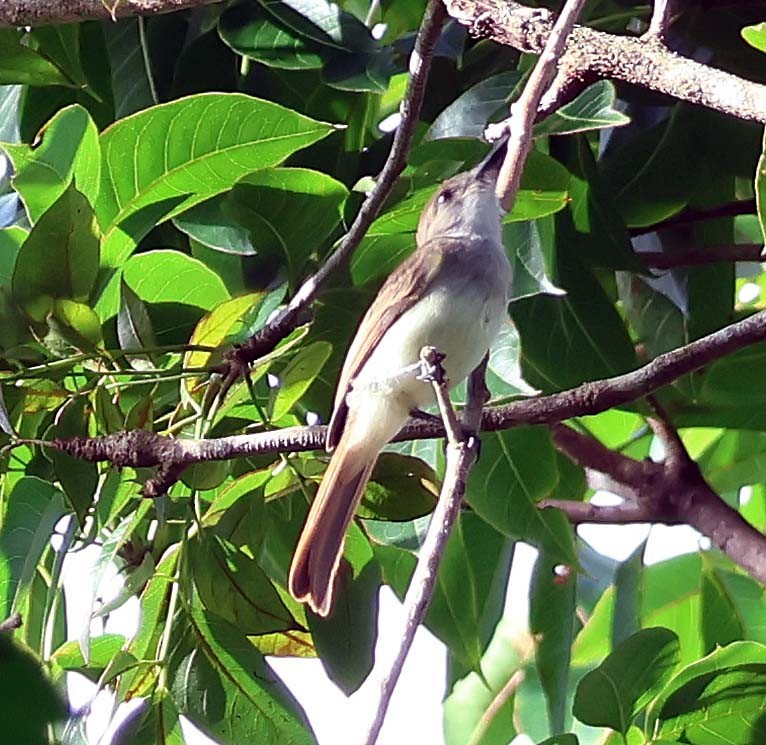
x,y
317,556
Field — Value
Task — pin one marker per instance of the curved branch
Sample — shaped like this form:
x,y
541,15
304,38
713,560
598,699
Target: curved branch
x,y
593,54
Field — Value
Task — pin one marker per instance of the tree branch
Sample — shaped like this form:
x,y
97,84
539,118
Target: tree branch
x,y
420,65
17,13
460,457
141,448
595,55
524,109
692,214
701,256
674,491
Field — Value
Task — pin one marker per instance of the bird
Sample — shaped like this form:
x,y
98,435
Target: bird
x,y
452,294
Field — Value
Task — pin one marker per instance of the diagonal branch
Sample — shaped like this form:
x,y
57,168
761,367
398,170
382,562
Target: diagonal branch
x,y
420,65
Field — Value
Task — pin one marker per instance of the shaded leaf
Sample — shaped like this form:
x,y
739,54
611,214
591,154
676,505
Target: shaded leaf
x,y
59,258
622,685
592,109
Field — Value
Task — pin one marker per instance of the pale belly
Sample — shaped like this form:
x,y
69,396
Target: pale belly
x,y
462,325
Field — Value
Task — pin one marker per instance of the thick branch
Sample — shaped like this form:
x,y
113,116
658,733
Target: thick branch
x,y
595,54
41,12
674,491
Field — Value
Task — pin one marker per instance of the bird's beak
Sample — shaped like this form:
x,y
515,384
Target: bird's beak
x,y
489,168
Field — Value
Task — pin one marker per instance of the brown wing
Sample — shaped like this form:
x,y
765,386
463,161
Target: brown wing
x,y
397,295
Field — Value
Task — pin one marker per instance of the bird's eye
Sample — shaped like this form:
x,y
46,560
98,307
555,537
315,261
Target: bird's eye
x,y
445,196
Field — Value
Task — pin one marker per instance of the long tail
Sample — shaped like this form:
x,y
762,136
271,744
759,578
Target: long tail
x,y
317,556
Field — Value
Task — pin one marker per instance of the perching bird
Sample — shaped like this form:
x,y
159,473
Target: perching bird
x,y
451,293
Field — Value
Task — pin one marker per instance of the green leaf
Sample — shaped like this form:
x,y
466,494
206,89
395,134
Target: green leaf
x,y
32,510
130,78
652,176
716,700
760,188
470,589
59,258
401,487
517,468
233,586
103,649
323,22
22,65
592,109
210,224
622,685
227,323
225,687
345,640
469,113
552,622
298,375
733,606
164,160
469,714
134,328
737,458
504,376
291,211
532,247
567,739
68,149
755,35
583,327
10,245
252,32
31,703
166,276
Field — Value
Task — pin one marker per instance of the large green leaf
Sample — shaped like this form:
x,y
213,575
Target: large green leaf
x,y
227,689
288,210
164,160
30,702
552,621
32,510
131,78
59,258
592,109
253,32
584,337
68,149
518,468
470,589
718,700
345,640
10,244
233,586
298,375
23,65
622,685
172,277
468,114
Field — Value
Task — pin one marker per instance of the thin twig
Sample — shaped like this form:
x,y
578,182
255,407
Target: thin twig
x,y
460,456
701,256
659,23
524,110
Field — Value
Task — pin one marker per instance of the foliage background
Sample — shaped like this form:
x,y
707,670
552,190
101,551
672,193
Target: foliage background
x,y
171,181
